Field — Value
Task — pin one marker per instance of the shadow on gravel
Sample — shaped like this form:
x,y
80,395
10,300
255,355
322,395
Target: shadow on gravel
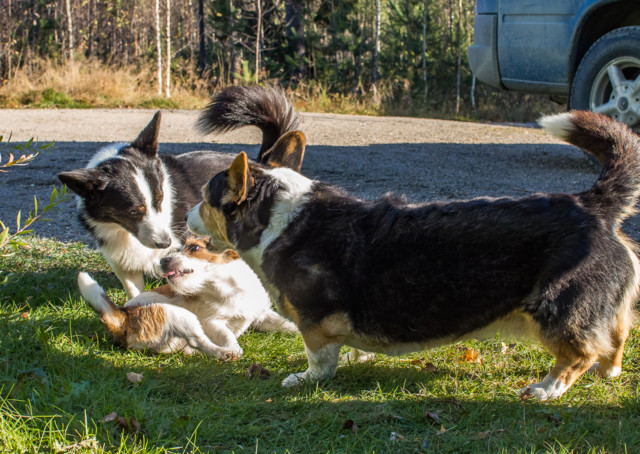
x,y
422,172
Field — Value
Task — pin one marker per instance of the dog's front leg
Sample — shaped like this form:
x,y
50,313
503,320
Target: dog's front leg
x,y
132,281
323,362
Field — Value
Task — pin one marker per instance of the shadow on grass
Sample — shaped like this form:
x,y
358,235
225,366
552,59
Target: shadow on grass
x,y
62,362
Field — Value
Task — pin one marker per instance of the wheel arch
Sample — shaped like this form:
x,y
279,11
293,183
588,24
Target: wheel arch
x,y
595,22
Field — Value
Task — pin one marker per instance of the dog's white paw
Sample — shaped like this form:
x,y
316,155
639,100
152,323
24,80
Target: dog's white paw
x,y
358,356
294,380
612,372
548,388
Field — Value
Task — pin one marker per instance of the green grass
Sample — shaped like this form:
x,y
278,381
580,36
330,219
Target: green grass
x,y
60,376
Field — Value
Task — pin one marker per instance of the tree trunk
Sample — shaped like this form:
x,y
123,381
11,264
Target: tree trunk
x,y
424,51
295,36
91,29
69,31
376,50
459,31
158,48
201,37
258,30
473,92
233,57
167,87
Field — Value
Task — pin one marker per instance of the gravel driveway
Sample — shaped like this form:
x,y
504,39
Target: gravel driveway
x,y
423,159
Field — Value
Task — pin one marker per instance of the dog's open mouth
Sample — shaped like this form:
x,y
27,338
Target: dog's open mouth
x,y
176,273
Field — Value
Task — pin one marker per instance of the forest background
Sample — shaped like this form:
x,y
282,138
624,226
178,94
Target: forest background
x,y
381,57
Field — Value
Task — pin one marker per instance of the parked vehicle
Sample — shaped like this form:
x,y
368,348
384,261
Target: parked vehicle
x,y
582,52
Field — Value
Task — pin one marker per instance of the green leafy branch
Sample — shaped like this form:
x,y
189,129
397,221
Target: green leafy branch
x,y
11,242
14,240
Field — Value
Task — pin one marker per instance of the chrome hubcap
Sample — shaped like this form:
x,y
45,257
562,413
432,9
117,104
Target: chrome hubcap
x,y
616,91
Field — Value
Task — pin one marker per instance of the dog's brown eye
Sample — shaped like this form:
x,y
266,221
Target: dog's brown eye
x,y
193,248
138,211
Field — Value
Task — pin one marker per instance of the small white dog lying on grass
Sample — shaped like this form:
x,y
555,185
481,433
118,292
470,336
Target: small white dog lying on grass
x,y
210,299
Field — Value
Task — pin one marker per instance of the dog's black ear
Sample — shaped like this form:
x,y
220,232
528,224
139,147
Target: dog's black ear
x,y
83,181
288,151
147,140
238,179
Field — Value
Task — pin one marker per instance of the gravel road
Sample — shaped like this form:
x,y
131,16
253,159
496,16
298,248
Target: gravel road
x,y
421,158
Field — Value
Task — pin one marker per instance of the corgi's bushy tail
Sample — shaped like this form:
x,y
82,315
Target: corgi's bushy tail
x,y
616,191
238,106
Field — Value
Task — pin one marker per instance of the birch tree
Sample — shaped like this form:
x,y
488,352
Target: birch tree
x,y
69,31
167,90
158,48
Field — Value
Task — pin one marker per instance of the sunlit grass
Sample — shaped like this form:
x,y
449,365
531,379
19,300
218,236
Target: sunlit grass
x,y
60,375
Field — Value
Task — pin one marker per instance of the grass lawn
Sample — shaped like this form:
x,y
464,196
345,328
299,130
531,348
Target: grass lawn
x,y
61,381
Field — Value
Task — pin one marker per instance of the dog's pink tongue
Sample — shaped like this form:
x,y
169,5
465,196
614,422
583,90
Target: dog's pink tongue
x,y
169,273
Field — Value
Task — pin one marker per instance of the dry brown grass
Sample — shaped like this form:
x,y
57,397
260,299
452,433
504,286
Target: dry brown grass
x,y
91,84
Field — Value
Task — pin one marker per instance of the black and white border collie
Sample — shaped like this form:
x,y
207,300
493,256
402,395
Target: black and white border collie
x,y
209,300
133,200
391,277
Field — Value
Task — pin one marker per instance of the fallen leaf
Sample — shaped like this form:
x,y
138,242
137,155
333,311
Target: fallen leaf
x,y
269,400
472,356
134,377
429,367
433,416
24,315
131,425
504,349
256,370
110,417
350,424
526,394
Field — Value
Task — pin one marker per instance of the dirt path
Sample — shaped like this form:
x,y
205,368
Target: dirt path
x,y
424,159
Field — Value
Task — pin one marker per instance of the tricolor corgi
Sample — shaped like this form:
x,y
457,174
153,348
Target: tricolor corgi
x,y
394,277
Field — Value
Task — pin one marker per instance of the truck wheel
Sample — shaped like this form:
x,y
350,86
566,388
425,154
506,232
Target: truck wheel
x,y
608,77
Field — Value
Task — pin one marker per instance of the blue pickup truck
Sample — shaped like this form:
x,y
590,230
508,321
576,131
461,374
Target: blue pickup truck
x,y
582,52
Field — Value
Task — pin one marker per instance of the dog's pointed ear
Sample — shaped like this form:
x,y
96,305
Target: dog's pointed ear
x,y
230,255
147,140
83,181
238,179
288,151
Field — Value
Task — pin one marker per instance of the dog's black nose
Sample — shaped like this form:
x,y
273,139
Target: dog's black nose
x,y
163,244
164,262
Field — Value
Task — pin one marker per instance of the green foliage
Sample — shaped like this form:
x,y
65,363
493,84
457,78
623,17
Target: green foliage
x,y
12,242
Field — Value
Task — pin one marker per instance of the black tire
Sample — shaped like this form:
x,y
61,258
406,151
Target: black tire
x,y
615,56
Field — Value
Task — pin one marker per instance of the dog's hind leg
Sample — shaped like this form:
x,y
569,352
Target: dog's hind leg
x,y
185,324
610,365
570,365
272,321
322,353
220,334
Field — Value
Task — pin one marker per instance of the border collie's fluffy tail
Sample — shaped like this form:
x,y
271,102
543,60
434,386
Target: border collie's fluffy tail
x,y
616,192
237,106
98,300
